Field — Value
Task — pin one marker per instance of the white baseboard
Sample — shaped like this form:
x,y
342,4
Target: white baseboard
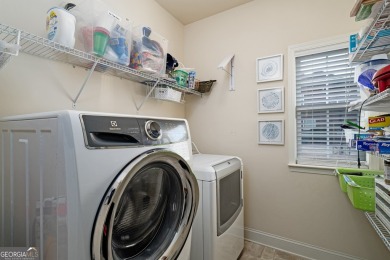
x,y
295,247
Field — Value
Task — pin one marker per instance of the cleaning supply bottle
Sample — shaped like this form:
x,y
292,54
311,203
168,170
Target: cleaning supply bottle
x,y
60,25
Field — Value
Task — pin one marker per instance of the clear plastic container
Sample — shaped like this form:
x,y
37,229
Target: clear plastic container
x,y
364,73
149,51
102,31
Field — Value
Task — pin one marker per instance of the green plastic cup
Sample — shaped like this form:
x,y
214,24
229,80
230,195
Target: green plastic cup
x,y
100,40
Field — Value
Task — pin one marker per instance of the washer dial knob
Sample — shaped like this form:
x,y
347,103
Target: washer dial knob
x,y
153,130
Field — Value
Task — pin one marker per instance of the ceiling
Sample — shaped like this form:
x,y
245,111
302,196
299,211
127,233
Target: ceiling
x,y
189,11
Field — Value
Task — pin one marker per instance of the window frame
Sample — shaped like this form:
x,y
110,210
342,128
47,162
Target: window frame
x,y
329,44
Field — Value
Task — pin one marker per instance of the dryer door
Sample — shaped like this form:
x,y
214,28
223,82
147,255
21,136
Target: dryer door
x,y
148,211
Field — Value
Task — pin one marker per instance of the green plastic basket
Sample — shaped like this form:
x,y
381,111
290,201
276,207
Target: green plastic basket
x,y
361,191
349,171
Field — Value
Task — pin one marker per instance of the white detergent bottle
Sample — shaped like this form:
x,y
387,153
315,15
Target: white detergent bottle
x,y
60,25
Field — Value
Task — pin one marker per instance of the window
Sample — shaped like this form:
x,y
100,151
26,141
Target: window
x,y
322,85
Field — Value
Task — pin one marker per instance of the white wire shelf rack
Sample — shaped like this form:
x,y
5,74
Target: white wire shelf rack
x,y
372,42
4,59
379,103
44,48
8,48
382,231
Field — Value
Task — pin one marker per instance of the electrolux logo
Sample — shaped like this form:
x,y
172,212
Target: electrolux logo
x,y
114,126
18,253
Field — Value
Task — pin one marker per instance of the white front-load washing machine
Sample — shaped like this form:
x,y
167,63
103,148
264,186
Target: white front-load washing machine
x,y
218,229
82,185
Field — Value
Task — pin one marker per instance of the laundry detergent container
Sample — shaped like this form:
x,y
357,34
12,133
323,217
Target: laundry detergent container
x,y
356,173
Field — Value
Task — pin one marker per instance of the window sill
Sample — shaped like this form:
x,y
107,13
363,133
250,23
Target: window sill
x,y
311,169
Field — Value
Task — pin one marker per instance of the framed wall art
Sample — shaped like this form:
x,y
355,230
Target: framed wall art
x,y
269,68
271,132
270,100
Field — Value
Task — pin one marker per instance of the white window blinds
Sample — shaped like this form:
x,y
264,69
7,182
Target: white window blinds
x,y
324,87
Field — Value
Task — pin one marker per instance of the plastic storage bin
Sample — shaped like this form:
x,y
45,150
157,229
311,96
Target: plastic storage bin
x,y
364,73
361,191
102,32
149,51
166,93
356,173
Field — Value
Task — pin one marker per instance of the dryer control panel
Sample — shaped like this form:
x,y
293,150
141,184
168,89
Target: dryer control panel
x,y
114,131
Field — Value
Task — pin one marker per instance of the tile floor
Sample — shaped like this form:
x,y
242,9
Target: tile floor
x,y
254,251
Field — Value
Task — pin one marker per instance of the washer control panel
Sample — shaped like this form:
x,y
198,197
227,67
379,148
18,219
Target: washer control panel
x,y
163,131
113,131
153,130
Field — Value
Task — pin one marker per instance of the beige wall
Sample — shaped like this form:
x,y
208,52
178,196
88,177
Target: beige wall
x,y
29,84
303,207
308,208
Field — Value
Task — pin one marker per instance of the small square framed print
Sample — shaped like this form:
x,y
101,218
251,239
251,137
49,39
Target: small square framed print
x,y
270,100
271,132
269,68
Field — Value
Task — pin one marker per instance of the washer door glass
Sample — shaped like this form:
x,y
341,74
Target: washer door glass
x,y
147,214
148,210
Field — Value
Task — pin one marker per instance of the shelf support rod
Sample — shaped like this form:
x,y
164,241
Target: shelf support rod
x,y
85,82
147,96
231,88
18,43
223,64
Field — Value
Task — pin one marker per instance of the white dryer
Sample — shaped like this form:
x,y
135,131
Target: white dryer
x,y
218,229
81,185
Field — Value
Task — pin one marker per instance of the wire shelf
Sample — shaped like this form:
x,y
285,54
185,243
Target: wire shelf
x,y
379,102
382,231
371,43
44,48
4,59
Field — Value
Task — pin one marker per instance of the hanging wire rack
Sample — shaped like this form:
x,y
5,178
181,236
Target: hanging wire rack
x,y
41,47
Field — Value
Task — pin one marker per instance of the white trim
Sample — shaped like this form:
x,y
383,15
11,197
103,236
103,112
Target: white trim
x,y
291,122
311,169
295,247
294,51
328,44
